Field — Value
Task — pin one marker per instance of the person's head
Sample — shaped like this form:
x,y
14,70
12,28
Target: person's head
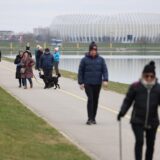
x,y
25,54
47,51
56,49
93,49
38,46
149,73
20,53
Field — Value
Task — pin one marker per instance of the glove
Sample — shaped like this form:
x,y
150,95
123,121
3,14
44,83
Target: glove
x,y
119,117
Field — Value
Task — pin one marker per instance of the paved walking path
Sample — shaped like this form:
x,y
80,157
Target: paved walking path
x,y
65,109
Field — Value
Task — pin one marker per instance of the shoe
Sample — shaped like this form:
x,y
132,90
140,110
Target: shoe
x,y
45,87
31,86
89,122
20,86
94,122
25,87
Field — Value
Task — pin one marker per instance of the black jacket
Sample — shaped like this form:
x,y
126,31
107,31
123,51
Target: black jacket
x,y
145,104
92,70
17,61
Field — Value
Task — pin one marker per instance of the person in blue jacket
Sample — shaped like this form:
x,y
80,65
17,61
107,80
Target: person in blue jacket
x,y
92,72
46,64
56,56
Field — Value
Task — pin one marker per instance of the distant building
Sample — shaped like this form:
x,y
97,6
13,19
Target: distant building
x,y
42,34
6,35
115,28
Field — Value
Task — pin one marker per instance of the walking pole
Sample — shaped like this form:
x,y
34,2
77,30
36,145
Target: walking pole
x,y
120,140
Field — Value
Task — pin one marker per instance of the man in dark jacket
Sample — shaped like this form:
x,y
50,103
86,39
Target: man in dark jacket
x,y
92,72
46,63
145,97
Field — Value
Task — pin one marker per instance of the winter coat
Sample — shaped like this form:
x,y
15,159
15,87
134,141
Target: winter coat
x,y
27,64
92,70
56,56
145,104
46,61
17,61
38,56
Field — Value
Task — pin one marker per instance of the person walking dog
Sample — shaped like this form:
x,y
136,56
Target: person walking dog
x,y
46,64
92,72
145,97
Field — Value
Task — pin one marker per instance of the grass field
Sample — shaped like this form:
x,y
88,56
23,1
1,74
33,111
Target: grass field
x,y
5,47
24,136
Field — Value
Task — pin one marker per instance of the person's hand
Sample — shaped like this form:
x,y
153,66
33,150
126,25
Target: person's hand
x,y
105,84
82,86
119,117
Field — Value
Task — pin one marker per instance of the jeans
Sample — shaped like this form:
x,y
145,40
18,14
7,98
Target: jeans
x,y
139,131
24,81
92,92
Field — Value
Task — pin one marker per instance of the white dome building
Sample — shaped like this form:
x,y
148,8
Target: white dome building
x,y
121,28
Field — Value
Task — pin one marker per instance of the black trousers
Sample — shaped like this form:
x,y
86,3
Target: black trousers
x,y
92,92
139,132
48,75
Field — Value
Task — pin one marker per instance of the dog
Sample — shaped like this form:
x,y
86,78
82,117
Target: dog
x,y
51,82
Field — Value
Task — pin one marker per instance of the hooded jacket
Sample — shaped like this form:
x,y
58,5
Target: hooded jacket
x,y
92,70
46,61
145,104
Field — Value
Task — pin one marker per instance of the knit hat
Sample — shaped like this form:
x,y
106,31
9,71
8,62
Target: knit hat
x,y
47,50
93,46
150,68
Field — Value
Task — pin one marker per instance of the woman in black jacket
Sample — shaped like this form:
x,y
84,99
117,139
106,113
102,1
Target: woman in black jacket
x,y
18,69
145,97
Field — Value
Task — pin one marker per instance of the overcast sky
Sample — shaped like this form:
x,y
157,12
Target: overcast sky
x,y
24,15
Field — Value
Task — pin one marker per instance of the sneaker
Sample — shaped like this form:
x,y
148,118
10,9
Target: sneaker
x,y
89,122
94,122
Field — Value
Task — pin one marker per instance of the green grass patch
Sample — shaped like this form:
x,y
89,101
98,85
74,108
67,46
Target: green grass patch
x,y
24,136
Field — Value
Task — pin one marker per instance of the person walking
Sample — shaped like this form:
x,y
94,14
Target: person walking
x,y
38,54
145,97
0,55
92,72
46,64
56,56
26,71
17,61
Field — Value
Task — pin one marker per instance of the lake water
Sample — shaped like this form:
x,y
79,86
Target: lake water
x,y
124,69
